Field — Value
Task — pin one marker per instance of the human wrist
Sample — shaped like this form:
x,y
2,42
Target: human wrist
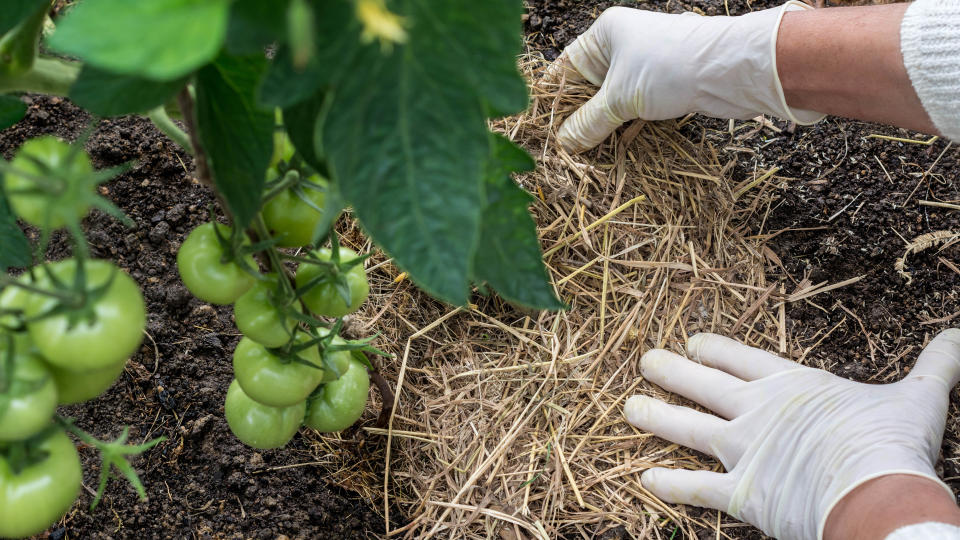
x,y
847,61
882,505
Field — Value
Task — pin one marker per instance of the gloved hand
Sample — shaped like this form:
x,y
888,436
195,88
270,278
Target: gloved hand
x,y
795,439
657,66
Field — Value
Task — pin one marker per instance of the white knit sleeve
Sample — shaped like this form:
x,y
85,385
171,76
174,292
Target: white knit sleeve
x,y
930,43
926,531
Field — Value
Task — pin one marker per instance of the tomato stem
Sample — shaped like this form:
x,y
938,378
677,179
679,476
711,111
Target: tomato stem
x,y
67,297
48,76
164,123
290,179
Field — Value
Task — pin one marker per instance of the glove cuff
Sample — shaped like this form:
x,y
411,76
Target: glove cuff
x,y
797,116
928,475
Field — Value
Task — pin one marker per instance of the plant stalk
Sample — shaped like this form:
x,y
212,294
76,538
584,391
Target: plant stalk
x,y
48,76
164,123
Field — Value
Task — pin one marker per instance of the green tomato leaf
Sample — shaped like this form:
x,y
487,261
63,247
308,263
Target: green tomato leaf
x,y
304,128
157,39
107,94
509,257
15,252
285,85
12,111
15,11
235,132
405,134
254,24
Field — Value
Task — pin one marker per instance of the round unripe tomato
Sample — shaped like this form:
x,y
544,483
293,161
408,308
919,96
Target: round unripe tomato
x,y
69,203
201,266
42,492
340,403
79,386
32,397
324,299
291,220
262,321
89,343
268,379
258,425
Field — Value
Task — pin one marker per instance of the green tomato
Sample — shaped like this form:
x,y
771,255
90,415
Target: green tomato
x,y
65,205
14,299
31,397
291,220
79,386
340,403
324,299
82,343
42,492
259,425
260,320
270,380
201,266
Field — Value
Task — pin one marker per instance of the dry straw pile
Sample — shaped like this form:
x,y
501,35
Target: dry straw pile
x,y
508,424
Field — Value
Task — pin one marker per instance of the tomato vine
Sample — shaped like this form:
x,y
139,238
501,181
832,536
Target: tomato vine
x,y
295,111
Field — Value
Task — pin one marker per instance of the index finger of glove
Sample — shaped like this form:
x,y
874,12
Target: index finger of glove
x,y
589,125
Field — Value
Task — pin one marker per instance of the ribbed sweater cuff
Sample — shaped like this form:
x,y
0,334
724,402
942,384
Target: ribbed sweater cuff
x,y
930,43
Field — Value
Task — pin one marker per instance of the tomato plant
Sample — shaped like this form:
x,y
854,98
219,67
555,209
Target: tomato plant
x,y
338,288
338,404
209,270
35,492
258,425
288,142
101,326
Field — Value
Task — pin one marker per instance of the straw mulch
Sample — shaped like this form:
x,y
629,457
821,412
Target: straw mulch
x,y
508,423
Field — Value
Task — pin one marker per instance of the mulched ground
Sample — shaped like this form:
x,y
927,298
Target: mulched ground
x,y
849,203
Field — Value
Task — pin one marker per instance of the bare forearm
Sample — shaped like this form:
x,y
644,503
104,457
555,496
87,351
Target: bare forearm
x,y
847,62
883,505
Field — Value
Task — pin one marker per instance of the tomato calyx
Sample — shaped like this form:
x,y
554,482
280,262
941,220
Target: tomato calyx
x,y
332,272
75,299
23,454
331,343
113,454
290,351
236,247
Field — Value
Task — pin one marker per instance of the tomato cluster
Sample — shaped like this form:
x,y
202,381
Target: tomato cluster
x,y
64,340
290,368
67,329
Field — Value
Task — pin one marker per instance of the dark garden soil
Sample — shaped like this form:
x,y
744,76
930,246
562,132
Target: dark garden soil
x,y
847,205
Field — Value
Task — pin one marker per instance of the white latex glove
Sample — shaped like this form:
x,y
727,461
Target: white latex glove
x,y
797,439
657,66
